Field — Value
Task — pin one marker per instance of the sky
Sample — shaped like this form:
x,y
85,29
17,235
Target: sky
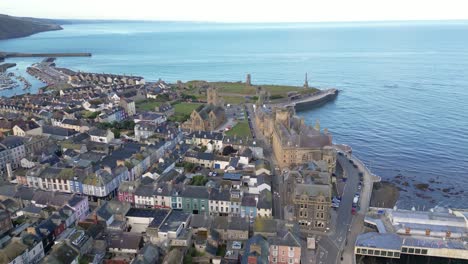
x,y
241,10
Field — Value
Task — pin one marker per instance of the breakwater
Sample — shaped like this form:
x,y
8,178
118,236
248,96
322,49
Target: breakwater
x,y
5,55
308,102
304,105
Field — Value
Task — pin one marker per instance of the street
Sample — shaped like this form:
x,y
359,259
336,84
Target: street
x,y
331,246
276,191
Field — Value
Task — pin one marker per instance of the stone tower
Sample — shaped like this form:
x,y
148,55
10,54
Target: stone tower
x,y
248,80
306,82
213,97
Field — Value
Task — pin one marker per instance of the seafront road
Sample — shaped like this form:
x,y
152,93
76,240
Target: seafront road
x,y
339,243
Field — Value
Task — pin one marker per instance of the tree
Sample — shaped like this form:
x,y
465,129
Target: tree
x,y
228,150
199,180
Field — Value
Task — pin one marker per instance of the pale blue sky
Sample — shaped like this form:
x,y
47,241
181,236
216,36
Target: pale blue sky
x,y
241,10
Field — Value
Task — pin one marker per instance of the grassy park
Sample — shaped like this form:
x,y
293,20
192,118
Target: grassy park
x,y
241,129
183,110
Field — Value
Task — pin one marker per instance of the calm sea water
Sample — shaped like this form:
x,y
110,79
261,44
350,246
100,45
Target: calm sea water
x,y
403,106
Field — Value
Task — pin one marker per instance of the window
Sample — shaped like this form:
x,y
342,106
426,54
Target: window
x,y
411,250
424,251
417,251
371,252
404,250
397,255
364,251
358,251
389,254
377,252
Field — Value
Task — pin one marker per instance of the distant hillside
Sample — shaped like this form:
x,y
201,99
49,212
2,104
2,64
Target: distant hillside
x,y
17,27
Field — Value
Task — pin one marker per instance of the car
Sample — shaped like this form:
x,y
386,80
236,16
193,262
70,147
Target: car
x,y
361,174
351,161
359,187
345,179
353,211
215,174
340,153
210,173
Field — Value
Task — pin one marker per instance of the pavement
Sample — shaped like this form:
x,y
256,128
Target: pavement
x,y
331,246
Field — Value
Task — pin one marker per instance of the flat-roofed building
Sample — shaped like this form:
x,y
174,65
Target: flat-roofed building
x,y
398,233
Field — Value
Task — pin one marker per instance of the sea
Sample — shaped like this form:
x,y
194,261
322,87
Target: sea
x,y
403,102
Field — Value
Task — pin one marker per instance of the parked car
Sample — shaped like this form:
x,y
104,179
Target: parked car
x,y
353,211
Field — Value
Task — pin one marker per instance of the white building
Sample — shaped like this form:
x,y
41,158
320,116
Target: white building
x,y
437,233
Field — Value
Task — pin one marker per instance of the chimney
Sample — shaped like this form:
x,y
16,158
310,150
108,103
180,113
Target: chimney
x,y
95,218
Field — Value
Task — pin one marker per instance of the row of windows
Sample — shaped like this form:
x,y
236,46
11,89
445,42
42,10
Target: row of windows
x,y
414,251
290,260
376,252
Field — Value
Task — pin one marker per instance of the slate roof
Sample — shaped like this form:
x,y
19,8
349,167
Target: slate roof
x,y
159,217
288,239
262,255
58,131
206,135
124,240
27,125
249,200
230,223
12,142
220,195
199,192
97,132
232,176
73,122
200,221
145,190
264,200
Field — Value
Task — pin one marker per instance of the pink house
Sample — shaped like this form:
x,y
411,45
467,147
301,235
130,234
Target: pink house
x,y
285,249
127,192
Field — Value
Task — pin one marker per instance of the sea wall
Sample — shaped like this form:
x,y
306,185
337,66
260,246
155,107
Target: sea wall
x,y
307,105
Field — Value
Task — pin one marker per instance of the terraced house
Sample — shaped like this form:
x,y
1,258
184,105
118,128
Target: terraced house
x,y
195,199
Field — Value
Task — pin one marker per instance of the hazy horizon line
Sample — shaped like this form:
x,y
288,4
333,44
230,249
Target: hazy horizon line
x,y
244,22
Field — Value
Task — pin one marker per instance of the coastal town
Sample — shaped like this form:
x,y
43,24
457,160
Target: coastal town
x,y
115,169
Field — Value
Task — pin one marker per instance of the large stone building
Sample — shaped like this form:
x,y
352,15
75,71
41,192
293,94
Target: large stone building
x,y
308,191
293,142
209,116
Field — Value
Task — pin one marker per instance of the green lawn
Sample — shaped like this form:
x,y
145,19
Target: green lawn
x,y
241,129
242,88
234,99
147,105
183,110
